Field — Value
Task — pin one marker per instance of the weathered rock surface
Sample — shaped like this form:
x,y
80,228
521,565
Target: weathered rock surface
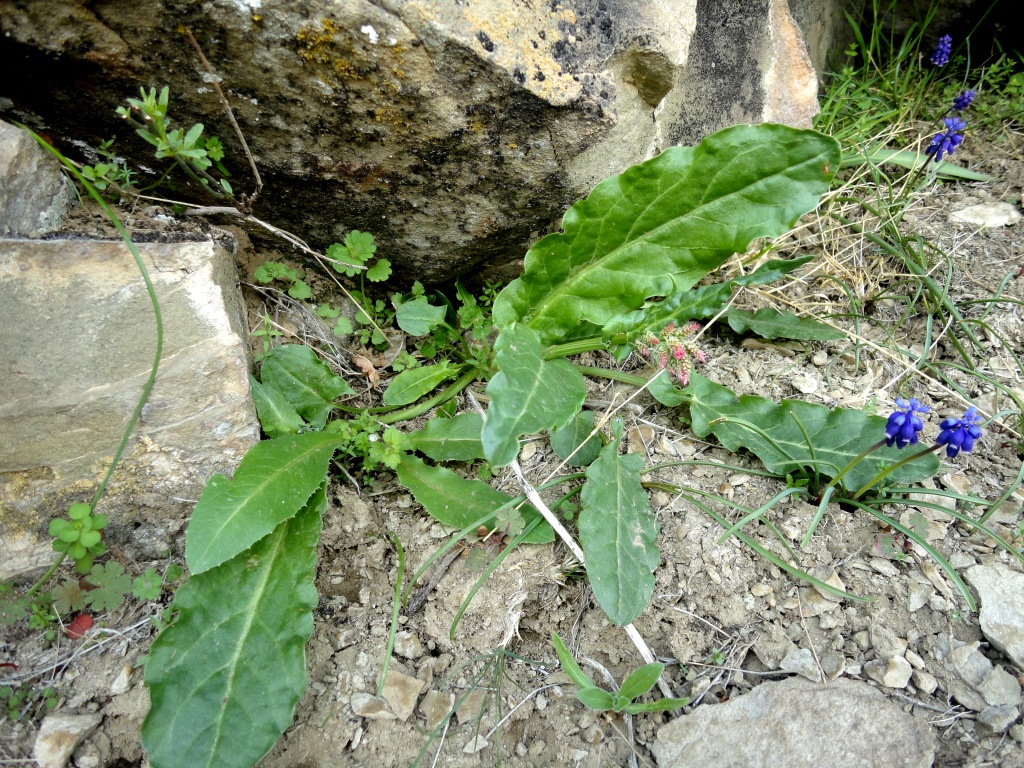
x,y
1001,593
77,339
451,131
34,196
798,724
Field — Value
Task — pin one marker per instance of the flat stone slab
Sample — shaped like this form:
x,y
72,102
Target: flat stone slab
x,y
798,724
77,339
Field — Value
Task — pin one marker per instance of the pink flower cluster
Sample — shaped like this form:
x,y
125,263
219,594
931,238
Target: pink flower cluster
x,y
674,350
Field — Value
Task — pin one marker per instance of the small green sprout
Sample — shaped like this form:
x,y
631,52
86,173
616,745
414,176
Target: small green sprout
x,y
633,687
79,536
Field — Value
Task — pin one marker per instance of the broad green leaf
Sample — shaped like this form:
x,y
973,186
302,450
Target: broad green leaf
x,y
837,435
456,502
271,484
699,303
618,533
576,434
419,317
596,698
772,323
305,380
225,676
569,665
663,389
409,386
454,439
276,414
664,224
641,681
528,394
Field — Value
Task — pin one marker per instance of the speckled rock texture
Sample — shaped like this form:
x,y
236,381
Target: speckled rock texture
x,y
454,132
77,339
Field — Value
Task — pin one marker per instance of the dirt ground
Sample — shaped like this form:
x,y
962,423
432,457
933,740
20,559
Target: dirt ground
x,y
721,616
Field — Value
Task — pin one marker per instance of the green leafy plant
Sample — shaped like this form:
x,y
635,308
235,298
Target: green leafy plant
x,y
114,173
639,683
273,270
660,226
190,150
80,535
26,701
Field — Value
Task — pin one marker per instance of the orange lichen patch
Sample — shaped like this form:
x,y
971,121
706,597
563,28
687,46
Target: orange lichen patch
x,y
315,44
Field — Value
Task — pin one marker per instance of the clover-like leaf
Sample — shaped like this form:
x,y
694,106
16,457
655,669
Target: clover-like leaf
x,y
664,224
112,584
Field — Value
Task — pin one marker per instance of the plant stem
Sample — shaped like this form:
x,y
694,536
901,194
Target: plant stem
x,y
854,461
893,468
445,394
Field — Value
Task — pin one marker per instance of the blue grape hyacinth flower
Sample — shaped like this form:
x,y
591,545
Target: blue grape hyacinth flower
x,y
903,424
959,434
963,101
948,140
942,51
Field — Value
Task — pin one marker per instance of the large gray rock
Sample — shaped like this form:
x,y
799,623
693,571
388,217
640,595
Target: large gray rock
x,y
77,339
452,131
34,195
798,724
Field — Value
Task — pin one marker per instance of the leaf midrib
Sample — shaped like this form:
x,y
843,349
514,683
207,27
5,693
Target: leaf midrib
x,y
587,268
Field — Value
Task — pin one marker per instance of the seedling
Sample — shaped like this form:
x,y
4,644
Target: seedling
x,y
633,687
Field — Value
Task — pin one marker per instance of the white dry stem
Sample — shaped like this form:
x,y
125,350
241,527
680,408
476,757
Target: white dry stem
x,y
570,542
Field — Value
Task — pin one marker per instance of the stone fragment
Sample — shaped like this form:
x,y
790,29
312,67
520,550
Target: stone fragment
x,y
999,717
59,734
833,664
34,195
800,661
371,707
86,305
805,384
986,215
1000,687
772,645
970,663
435,707
1002,607
475,744
925,681
884,567
885,642
408,645
892,673
400,692
814,603
471,706
798,724
918,595
915,661
122,682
